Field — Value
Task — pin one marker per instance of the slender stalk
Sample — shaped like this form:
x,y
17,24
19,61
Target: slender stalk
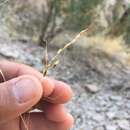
x,y
54,61
2,75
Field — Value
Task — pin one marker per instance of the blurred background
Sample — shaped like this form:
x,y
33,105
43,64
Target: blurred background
x,y
96,65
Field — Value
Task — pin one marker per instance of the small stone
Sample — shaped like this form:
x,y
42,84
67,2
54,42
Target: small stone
x,y
124,124
99,128
91,88
121,115
116,98
98,118
128,105
110,127
128,95
111,115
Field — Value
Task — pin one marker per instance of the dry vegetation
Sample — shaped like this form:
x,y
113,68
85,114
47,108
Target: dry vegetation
x,y
109,45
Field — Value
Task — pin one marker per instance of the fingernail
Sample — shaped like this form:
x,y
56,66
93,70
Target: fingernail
x,y
24,90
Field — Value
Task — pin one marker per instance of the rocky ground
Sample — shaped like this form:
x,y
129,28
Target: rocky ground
x,y
101,83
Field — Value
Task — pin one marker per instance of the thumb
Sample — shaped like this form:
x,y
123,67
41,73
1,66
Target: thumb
x,y
18,95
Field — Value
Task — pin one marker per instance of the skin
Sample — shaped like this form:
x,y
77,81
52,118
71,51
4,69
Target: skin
x,y
48,95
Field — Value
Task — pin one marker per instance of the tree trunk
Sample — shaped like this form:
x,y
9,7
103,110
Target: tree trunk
x,y
47,22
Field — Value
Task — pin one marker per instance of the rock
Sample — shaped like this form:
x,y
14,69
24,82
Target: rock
x,y
128,105
122,115
99,128
116,98
111,115
110,127
91,88
128,95
98,117
123,124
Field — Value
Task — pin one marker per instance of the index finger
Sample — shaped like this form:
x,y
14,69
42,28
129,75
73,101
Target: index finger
x,y
12,70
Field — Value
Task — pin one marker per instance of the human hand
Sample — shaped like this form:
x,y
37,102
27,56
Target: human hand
x,y
24,87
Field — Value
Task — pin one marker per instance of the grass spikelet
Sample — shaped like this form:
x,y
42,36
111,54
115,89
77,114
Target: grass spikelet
x,y
54,61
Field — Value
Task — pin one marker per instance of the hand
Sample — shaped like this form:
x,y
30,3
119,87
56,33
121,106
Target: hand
x,y
24,87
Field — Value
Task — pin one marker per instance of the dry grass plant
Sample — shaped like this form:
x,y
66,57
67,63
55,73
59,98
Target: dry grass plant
x,y
48,65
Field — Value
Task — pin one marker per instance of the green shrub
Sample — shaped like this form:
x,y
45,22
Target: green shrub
x,y
80,13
